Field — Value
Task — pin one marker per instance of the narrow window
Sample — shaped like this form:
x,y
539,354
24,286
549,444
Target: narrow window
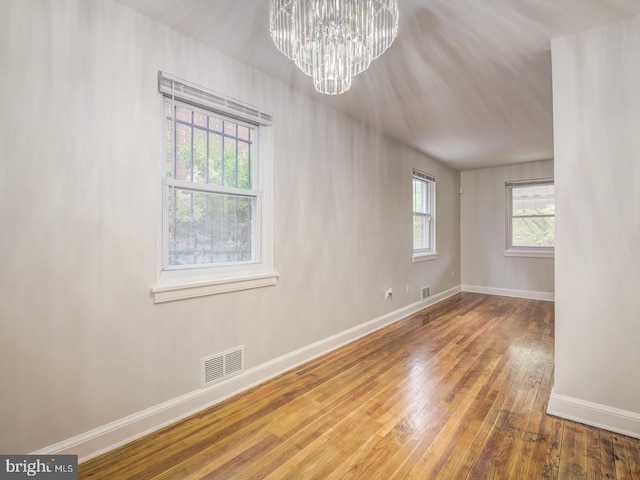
x,y
424,214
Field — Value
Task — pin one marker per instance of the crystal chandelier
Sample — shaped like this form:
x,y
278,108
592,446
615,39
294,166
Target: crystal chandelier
x,y
333,40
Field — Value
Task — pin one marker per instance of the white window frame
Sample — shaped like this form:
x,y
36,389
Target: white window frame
x,y
187,281
430,253
251,193
524,251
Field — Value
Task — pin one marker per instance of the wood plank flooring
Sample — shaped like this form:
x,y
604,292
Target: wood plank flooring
x,y
457,391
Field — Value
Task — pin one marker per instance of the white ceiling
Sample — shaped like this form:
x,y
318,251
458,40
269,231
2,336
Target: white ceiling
x,y
467,82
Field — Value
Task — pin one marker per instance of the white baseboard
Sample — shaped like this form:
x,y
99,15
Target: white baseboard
x,y
595,414
107,437
508,292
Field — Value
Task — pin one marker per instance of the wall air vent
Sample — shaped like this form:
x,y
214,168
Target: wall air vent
x,y
222,365
426,292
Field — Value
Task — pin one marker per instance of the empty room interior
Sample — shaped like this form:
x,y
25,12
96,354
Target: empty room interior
x,y
321,239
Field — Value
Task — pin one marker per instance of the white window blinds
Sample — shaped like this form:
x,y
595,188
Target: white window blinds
x,y
198,96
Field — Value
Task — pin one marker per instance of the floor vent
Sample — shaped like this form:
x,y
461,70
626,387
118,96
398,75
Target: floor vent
x,y
222,365
426,292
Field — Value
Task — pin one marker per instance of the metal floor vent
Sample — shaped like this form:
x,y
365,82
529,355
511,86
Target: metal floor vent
x,y
426,292
222,365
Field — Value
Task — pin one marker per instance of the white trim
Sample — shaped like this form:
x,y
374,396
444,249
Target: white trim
x,y
529,250
107,437
613,419
430,182
423,257
181,291
210,188
509,292
197,280
531,253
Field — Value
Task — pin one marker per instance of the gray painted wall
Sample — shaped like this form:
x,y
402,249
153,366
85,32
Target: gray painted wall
x,y
81,342
596,74
483,230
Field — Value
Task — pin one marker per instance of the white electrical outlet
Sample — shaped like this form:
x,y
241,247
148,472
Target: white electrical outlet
x,y
387,293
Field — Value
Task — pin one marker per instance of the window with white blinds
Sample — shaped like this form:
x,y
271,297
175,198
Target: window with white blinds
x,y
213,191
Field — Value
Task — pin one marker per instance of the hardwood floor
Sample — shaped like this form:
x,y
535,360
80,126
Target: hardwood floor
x,y
457,391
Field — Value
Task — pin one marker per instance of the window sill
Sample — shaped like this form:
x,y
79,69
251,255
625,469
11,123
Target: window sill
x,y
423,257
181,291
531,253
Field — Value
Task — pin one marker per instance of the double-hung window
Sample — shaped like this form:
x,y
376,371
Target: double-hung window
x,y
213,224
530,218
212,200
424,216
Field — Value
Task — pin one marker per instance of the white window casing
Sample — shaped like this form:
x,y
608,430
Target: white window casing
x,y
530,218
424,217
217,198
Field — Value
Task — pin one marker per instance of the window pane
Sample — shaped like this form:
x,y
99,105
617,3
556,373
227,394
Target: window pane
x,y
421,236
215,159
244,166
207,148
208,228
183,114
169,148
183,152
534,200
230,162
215,124
533,232
427,198
200,166
200,119
423,206
243,132
419,196
230,128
